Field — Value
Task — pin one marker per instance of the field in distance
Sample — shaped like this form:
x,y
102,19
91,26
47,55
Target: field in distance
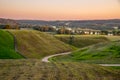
x,y
36,70
81,41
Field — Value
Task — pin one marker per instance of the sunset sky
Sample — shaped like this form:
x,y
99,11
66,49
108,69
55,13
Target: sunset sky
x,y
60,9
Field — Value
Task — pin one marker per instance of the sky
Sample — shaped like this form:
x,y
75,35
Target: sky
x,y
60,9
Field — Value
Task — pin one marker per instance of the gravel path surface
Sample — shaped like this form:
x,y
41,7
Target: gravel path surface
x,y
45,59
109,64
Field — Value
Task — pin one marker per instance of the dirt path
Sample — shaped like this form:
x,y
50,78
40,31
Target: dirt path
x,y
45,59
109,64
15,44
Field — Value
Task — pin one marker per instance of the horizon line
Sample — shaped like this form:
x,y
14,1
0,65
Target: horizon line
x,y
64,19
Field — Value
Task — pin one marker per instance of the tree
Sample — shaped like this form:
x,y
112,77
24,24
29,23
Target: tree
x,y
8,27
71,39
104,32
61,31
67,32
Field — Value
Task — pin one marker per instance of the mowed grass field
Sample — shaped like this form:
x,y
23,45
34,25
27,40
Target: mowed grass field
x,y
35,70
7,46
108,52
36,45
80,41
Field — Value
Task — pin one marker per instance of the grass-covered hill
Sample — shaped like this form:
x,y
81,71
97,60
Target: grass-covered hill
x,y
36,44
108,52
35,70
7,46
80,41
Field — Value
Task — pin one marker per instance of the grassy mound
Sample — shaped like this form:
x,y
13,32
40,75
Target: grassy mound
x,y
35,44
35,70
108,52
81,40
7,46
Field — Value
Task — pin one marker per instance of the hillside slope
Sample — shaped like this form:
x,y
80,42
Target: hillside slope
x,y
35,70
81,41
35,44
108,52
7,46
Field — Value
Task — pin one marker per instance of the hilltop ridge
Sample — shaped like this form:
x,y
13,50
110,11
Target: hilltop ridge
x,y
35,44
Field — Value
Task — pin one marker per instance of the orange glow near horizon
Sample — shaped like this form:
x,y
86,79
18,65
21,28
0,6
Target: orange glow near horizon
x,y
60,9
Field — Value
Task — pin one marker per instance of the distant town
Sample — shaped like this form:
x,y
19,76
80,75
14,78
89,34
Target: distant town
x,y
92,27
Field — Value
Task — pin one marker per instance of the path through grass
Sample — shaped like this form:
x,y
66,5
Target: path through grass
x,y
7,46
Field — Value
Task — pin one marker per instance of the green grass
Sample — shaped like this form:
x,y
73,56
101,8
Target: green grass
x,y
35,44
114,67
36,70
108,52
80,41
7,46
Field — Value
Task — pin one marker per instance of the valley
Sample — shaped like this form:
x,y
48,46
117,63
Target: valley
x,y
85,54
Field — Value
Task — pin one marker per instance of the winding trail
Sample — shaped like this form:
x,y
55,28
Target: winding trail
x,y
46,59
15,44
